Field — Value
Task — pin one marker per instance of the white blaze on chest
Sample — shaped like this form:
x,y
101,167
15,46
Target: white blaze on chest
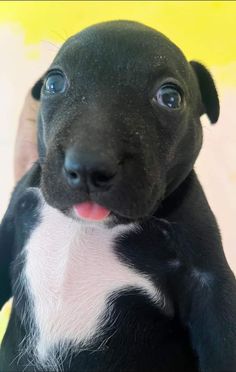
x,y
71,270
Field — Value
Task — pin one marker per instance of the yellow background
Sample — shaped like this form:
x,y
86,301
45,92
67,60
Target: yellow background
x,y
204,30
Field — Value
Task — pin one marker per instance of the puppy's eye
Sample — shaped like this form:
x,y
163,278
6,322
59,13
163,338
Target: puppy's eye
x,y
55,82
169,96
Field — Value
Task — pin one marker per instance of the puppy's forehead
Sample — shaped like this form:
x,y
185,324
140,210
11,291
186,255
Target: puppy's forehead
x,y
121,46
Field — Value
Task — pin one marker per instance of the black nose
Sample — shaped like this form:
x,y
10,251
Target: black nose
x,y
88,171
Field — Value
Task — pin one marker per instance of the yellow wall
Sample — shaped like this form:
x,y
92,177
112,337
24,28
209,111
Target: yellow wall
x,y
200,28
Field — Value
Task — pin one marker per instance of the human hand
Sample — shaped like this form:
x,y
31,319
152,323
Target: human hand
x,y
25,151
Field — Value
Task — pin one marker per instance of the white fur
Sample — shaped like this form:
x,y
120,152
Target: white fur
x,y
71,270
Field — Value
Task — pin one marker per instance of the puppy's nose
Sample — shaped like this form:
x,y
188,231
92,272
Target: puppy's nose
x,y
88,172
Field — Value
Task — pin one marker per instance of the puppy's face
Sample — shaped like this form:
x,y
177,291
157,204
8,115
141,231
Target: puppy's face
x,y
119,124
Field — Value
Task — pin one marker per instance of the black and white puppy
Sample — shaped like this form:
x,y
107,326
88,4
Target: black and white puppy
x,y
109,247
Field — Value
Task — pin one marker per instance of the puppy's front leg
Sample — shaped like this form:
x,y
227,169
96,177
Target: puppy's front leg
x,y
206,295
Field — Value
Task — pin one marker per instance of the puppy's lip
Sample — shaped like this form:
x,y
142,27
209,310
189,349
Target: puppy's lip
x,y
92,211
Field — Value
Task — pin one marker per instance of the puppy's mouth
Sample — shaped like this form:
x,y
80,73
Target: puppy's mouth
x,y
132,196
91,211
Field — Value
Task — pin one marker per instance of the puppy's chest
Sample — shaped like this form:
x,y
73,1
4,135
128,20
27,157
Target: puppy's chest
x,y
71,270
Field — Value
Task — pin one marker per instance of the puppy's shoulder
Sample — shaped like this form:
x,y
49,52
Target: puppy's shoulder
x,y
30,180
21,213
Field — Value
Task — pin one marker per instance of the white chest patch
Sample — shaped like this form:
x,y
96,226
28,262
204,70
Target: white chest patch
x,y
71,270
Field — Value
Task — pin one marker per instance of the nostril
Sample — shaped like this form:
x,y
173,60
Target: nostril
x,y
73,175
73,178
99,179
72,168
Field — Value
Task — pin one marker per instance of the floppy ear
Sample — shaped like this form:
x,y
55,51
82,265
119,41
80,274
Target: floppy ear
x,y
210,100
36,90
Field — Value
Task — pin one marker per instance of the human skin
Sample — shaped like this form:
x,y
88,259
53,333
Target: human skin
x,y
25,150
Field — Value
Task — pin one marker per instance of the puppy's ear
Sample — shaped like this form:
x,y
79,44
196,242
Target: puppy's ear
x,y
210,100
36,90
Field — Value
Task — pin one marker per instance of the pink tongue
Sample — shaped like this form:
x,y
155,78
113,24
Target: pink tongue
x,y
91,211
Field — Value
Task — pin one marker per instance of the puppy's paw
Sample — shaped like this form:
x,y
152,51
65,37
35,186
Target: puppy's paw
x,y
165,228
171,243
160,236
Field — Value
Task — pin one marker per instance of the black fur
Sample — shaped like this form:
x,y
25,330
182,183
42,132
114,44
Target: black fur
x,y
108,113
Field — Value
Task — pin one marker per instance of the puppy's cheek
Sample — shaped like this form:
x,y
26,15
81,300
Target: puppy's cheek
x,y
145,185
53,186
136,202
137,192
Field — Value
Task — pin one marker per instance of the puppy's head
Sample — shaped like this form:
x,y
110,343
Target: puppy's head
x,y
119,123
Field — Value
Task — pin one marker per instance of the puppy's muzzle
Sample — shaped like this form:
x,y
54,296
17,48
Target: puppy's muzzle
x,y
89,172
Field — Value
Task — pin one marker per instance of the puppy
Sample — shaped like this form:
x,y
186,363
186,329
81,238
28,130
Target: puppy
x,y
109,247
